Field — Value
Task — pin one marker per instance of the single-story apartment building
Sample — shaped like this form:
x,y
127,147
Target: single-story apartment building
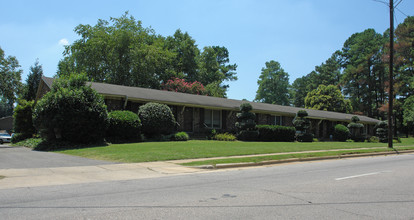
x,y
196,113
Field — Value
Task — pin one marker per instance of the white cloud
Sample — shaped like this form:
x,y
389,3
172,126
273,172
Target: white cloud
x,y
63,42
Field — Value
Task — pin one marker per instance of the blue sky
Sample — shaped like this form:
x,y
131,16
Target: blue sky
x,y
299,34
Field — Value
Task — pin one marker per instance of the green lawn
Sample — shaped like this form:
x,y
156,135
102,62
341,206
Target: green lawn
x,y
161,151
290,156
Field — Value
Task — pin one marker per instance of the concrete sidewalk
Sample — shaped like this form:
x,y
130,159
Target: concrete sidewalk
x,y
33,177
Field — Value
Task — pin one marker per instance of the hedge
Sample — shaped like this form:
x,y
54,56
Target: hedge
x,y
123,126
276,133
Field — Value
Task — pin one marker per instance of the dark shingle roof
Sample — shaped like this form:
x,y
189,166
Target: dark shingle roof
x,y
176,98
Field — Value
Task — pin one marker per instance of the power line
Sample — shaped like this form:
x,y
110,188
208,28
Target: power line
x,y
397,4
386,3
402,12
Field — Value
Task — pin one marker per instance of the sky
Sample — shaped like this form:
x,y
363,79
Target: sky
x,y
299,34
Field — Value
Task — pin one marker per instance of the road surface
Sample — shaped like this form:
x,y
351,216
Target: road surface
x,y
360,188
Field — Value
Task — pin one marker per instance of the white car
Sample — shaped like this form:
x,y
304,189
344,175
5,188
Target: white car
x,y
5,138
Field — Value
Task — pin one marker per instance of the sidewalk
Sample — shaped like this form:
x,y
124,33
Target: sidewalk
x,y
34,177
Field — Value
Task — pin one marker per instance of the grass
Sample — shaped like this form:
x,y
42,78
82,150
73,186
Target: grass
x,y
161,151
2,177
290,156
30,143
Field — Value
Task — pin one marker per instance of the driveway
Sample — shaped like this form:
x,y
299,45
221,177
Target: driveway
x,y
22,167
21,157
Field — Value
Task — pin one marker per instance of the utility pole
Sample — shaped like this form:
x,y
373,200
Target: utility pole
x,y
391,76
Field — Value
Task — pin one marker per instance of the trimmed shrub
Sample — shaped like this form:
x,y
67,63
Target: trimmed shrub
x,y
246,107
396,140
276,133
302,126
341,133
210,133
23,122
156,119
71,112
180,136
356,129
307,137
302,113
246,124
246,135
374,139
17,137
123,126
224,137
382,131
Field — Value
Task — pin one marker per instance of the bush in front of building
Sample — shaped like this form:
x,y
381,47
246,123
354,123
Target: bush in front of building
x,y
382,131
246,124
276,133
224,137
157,119
374,139
71,112
341,133
180,136
302,126
355,129
23,121
123,126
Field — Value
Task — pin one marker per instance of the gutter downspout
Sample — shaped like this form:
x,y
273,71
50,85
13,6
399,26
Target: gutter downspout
x,y
126,102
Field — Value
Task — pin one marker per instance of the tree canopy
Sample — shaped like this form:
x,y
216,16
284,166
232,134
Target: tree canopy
x,y
327,98
273,84
121,51
10,76
32,81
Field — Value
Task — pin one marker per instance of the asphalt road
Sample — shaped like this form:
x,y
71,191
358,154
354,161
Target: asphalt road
x,y
362,188
22,157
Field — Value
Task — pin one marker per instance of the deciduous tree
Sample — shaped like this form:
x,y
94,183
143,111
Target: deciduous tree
x,y
10,76
327,98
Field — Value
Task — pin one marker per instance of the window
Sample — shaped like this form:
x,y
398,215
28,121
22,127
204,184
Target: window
x,y
278,120
212,118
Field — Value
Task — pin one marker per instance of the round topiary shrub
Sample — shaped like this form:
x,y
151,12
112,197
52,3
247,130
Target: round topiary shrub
x,y
156,119
302,113
180,136
123,126
341,133
246,107
71,112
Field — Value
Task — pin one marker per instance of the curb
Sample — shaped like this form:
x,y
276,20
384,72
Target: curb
x,y
292,160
